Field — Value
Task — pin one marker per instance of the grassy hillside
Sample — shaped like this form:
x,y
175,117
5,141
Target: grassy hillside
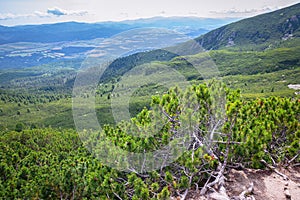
x,y
255,73
256,32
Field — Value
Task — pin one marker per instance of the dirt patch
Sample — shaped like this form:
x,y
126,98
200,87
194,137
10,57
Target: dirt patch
x,y
268,185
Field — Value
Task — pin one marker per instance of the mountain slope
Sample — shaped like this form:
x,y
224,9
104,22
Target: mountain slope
x,y
250,33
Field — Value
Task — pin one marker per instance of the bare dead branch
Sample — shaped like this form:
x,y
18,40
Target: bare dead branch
x,y
294,158
274,169
117,196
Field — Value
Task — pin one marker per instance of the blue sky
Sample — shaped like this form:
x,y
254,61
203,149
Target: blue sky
x,y
15,12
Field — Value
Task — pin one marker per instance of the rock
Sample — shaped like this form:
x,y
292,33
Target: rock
x,y
287,194
286,184
217,196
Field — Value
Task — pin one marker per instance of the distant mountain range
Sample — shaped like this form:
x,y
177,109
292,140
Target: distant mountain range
x,y
256,32
74,31
68,31
34,45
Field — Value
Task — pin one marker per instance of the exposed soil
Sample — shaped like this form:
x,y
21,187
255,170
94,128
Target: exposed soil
x,y
268,185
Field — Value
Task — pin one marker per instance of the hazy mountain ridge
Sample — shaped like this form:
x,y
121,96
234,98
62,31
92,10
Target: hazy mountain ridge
x,y
67,31
74,31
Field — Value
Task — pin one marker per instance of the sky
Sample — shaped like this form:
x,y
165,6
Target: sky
x,y
18,12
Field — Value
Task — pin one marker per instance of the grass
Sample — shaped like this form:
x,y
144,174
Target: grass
x,y
264,85
59,113
255,73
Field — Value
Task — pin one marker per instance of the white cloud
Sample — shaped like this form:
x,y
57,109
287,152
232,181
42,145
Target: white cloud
x,y
41,14
56,11
60,12
233,12
124,14
38,14
18,12
7,16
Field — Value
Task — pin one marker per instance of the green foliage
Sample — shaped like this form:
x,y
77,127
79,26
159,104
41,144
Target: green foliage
x,y
266,129
259,121
53,163
164,194
184,182
19,127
